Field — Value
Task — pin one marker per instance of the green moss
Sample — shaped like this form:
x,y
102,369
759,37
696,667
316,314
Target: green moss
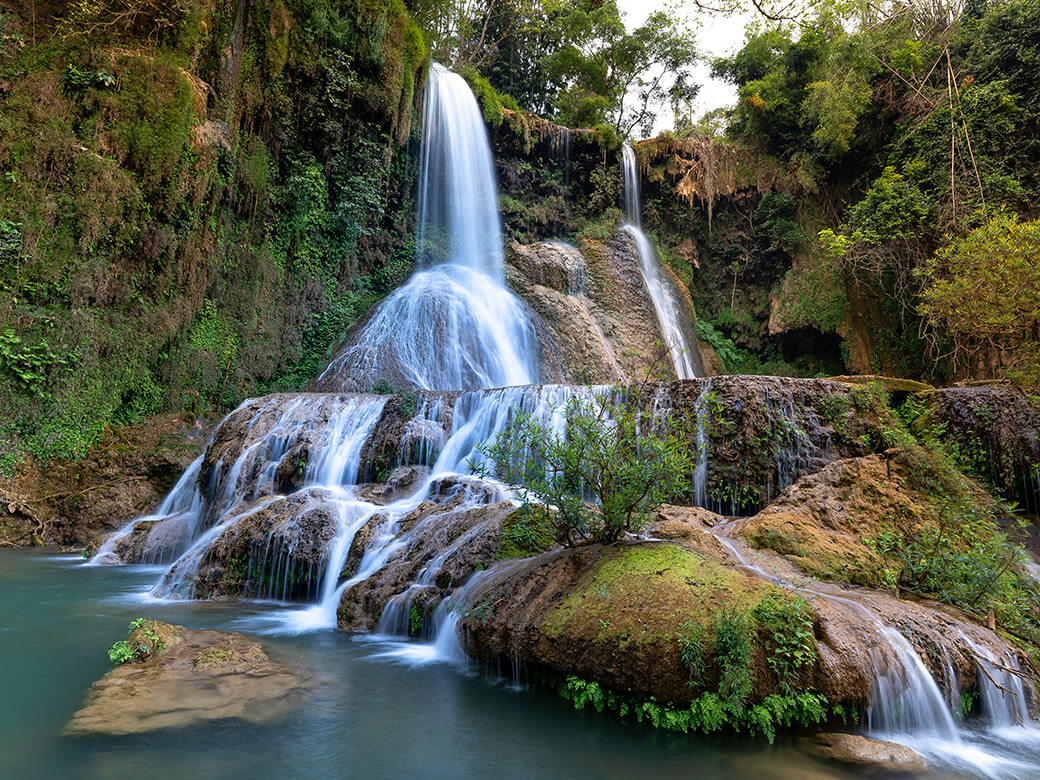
x,y
214,655
141,248
667,582
528,531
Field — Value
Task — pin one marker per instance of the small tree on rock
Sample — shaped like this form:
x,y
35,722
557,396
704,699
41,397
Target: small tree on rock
x,y
604,475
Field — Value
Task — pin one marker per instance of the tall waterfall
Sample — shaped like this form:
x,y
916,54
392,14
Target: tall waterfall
x,y
453,325
676,327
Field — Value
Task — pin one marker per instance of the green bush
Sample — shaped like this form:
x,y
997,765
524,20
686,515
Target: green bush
x,y
602,477
127,650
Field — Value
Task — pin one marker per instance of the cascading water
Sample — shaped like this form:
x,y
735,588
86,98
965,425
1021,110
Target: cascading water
x,y
703,441
453,325
676,328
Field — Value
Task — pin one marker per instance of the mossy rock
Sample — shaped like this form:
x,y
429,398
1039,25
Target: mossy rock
x,y
888,383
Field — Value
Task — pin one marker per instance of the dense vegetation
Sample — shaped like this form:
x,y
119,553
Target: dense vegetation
x,y
197,199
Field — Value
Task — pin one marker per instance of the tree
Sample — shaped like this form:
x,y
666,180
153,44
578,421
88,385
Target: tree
x,y
984,290
604,475
609,75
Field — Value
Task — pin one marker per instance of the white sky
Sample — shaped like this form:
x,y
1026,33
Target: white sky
x,y
717,35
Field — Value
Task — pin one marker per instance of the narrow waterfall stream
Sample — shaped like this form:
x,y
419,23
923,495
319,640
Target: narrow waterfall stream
x,y
676,328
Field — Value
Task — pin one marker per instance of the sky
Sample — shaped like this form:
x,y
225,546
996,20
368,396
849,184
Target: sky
x,y
716,36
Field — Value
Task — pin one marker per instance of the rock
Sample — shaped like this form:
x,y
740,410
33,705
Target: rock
x,y
689,526
889,383
277,549
862,752
819,522
596,320
606,613
443,543
998,428
188,678
613,615
72,503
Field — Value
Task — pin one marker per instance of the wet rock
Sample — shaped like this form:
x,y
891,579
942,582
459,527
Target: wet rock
x,y
766,432
277,549
596,320
151,541
998,428
186,678
615,614
403,481
442,544
861,752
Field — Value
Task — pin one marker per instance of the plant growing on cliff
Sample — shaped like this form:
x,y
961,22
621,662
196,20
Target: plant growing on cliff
x,y
604,475
790,643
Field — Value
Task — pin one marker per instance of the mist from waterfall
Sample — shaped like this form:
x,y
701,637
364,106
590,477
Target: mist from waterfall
x,y
676,328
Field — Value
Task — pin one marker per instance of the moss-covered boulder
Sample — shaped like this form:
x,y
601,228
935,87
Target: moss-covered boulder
x,y
614,614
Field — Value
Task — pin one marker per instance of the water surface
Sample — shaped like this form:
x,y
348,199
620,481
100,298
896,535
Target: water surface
x,y
372,716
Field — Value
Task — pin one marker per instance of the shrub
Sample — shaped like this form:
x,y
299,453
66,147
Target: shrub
x,y
604,475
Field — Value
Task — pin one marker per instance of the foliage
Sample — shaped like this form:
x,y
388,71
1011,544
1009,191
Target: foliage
x,y
732,651
790,644
692,652
602,477
527,531
574,59
599,64
983,290
960,553
134,649
706,714
157,196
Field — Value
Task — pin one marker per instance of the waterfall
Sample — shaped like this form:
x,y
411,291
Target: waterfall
x,y
907,700
676,328
703,440
288,466
453,325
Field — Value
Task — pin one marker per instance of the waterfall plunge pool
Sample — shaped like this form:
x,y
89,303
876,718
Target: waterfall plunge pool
x,y
373,716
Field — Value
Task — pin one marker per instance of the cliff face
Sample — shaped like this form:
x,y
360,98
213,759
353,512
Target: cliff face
x,y
197,201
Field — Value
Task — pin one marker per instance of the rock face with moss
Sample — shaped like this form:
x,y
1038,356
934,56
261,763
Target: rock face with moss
x,y
596,323
178,678
996,429
686,624
169,178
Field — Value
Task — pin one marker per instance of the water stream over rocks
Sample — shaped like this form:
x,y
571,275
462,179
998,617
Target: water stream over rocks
x,y
676,326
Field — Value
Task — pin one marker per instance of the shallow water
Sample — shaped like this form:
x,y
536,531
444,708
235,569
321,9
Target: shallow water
x,y
373,715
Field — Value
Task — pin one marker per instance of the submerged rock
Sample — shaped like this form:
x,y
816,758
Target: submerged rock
x,y
864,753
186,678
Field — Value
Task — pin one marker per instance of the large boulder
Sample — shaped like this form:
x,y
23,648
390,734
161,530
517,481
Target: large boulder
x,y
182,678
617,615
